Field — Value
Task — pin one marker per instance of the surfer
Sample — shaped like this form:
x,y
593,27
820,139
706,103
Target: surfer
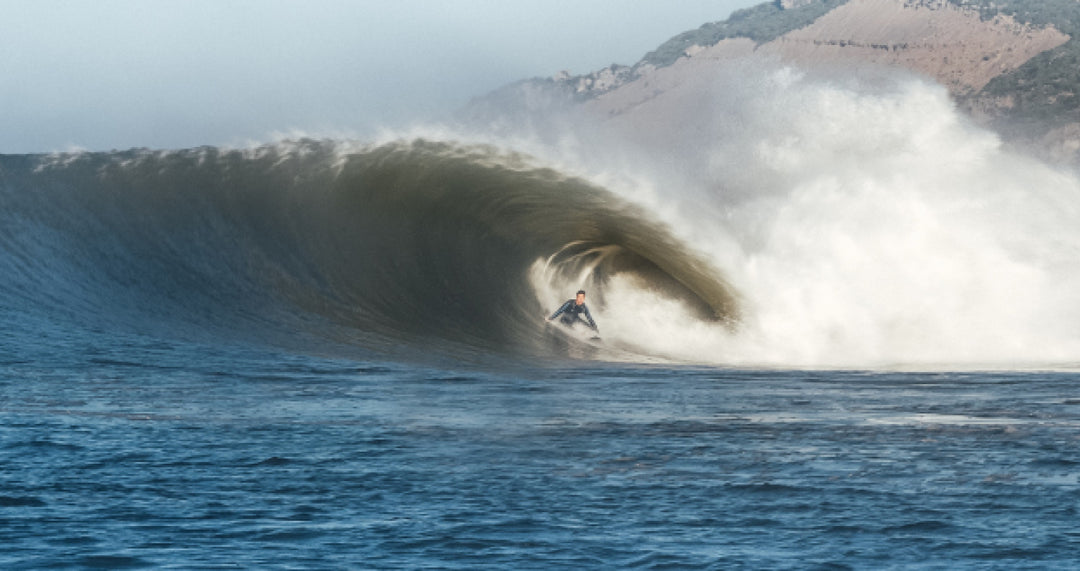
x,y
572,310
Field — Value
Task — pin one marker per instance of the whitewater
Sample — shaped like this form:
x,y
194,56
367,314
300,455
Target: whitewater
x,y
840,330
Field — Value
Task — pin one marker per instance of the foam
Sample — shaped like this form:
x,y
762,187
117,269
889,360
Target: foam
x,y
862,224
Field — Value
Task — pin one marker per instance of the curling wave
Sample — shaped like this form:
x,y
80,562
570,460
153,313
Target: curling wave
x,y
423,244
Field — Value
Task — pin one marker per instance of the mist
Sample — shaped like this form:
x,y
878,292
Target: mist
x,y
173,74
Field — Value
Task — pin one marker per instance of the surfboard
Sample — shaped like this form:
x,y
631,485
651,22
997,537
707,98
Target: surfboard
x,y
581,334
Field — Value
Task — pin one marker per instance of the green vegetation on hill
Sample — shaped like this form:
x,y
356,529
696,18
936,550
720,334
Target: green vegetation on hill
x,y
1048,86
761,23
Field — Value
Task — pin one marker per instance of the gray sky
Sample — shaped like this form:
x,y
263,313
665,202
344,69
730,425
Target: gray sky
x,y
103,74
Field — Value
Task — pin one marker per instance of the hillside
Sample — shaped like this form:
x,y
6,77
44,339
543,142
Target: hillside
x,y
1014,65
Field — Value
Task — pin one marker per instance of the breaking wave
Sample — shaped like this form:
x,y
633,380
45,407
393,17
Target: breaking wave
x,y
791,220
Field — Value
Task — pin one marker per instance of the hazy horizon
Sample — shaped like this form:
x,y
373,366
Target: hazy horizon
x,y
168,74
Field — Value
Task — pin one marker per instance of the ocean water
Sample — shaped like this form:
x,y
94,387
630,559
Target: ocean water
x,y
138,453
840,330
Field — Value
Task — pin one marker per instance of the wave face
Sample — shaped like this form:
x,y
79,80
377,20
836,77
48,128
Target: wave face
x,y
401,248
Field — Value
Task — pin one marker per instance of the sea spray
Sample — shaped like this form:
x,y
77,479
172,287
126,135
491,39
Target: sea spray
x,y
862,223
896,232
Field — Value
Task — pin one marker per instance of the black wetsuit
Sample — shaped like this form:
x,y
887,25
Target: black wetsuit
x,y
571,313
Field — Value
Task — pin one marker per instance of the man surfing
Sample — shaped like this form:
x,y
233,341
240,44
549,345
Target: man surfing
x,y
572,311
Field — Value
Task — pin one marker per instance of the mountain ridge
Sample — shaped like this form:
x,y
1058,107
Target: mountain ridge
x,y
1011,65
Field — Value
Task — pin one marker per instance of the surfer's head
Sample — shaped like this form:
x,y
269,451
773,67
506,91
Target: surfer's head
x,y
580,297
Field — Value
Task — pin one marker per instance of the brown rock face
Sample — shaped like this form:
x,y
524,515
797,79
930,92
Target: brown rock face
x,y
932,37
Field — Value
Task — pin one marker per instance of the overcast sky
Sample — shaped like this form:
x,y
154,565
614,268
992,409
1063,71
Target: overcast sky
x,y
104,74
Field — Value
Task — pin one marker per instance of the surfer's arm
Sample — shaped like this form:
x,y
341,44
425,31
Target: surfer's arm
x,y
588,317
559,311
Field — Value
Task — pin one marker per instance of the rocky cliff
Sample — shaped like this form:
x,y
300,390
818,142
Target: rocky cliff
x,y
1012,64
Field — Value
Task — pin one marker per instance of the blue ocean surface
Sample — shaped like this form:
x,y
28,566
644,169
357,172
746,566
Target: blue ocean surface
x,y
124,452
